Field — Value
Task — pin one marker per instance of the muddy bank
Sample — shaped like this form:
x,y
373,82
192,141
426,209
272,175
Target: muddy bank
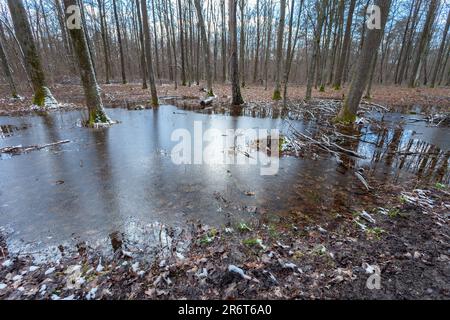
x,y
406,237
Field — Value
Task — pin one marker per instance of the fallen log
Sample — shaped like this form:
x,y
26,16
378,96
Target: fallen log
x,y
207,102
15,150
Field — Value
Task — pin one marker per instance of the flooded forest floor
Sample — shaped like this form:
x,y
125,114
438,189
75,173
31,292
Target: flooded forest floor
x,y
381,230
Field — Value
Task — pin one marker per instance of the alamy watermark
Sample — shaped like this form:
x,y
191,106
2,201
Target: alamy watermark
x,y
74,17
255,147
374,281
373,21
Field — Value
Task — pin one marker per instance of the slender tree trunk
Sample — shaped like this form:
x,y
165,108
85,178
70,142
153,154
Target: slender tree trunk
x,y
242,43
183,56
234,63
372,73
104,34
201,24
97,114
224,42
360,75
42,95
320,6
281,26
345,47
268,44
119,39
258,42
291,47
142,43
148,53
423,44
6,66
438,62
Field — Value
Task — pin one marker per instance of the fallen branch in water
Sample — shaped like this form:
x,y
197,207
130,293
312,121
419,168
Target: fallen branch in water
x,y
325,143
20,149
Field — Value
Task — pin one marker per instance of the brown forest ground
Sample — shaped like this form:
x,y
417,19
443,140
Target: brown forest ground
x,y
119,95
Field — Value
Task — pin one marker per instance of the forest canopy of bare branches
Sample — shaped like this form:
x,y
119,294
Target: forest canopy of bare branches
x,y
113,33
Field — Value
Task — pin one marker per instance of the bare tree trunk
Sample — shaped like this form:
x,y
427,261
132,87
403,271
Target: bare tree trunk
x,y
119,39
291,47
183,56
242,43
438,62
6,66
320,6
224,43
142,43
104,33
268,44
258,42
42,95
148,53
206,50
345,47
97,114
281,26
234,64
361,74
423,44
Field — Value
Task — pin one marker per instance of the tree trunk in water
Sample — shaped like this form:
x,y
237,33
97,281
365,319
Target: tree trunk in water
x,y
94,103
148,53
119,39
424,40
234,64
277,91
361,72
42,95
242,43
6,67
206,50
345,47
441,51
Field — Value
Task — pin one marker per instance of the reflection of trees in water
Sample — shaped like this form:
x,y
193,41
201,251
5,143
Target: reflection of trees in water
x,y
396,149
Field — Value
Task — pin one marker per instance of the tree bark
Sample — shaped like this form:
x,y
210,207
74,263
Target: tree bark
x,y
438,62
281,26
42,95
423,44
361,72
345,47
119,39
201,24
234,63
142,43
148,53
97,114
6,66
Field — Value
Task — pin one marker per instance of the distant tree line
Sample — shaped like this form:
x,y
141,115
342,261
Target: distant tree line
x,y
273,43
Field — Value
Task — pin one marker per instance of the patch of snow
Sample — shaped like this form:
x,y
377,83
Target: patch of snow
x,y
49,271
7,264
91,294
